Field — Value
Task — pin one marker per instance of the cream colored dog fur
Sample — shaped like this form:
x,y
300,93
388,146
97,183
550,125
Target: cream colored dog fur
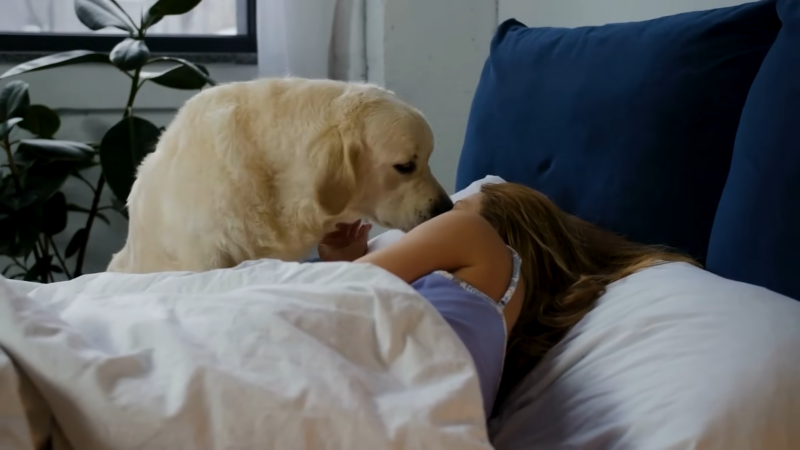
x,y
262,169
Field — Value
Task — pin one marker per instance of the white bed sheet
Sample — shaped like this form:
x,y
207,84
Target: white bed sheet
x,y
269,355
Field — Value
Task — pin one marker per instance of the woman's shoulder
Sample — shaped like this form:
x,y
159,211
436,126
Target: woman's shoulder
x,y
452,241
469,231
492,259
461,224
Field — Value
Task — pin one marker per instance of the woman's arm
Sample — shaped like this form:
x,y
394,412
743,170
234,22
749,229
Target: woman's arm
x,y
458,242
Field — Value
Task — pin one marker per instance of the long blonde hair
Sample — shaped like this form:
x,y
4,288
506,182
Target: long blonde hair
x,y
566,265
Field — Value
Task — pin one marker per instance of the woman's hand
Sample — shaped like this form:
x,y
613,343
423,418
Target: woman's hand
x,y
347,243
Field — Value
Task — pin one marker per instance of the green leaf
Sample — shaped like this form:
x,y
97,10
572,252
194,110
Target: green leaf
x,y
8,125
19,233
130,54
40,270
77,208
167,8
57,60
76,242
5,184
99,14
41,121
172,7
178,77
13,201
14,100
122,150
45,178
8,234
55,214
29,226
58,150
24,160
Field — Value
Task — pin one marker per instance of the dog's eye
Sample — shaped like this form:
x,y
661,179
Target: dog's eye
x,y
405,168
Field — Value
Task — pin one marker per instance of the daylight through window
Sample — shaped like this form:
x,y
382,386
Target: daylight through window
x,y
210,17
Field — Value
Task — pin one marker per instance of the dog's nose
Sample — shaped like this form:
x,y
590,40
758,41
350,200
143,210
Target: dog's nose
x,y
442,205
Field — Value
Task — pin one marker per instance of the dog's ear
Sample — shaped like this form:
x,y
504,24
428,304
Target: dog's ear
x,y
336,162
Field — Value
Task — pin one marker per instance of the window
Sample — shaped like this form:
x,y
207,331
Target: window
x,y
213,26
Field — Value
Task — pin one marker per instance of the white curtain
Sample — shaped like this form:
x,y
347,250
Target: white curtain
x,y
311,38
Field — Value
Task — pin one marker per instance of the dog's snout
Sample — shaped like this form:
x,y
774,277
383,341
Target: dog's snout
x,y
441,206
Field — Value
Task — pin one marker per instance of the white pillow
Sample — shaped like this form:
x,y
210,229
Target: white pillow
x,y
392,236
672,357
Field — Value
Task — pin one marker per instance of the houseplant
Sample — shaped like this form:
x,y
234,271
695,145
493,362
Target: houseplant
x,y
32,208
119,152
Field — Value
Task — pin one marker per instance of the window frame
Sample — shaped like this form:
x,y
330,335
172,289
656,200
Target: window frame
x,y
158,44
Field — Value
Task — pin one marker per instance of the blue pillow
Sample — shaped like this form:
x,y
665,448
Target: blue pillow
x,y
630,126
756,234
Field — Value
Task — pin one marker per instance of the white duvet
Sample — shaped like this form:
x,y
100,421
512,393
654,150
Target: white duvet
x,y
266,356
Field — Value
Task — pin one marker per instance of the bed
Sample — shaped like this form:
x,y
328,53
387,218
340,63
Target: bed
x,y
678,131
682,131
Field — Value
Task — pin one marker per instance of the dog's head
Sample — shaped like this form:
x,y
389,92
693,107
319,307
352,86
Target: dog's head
x,y
377,162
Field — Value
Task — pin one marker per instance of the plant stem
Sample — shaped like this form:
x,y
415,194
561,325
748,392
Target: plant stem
x,y
46,253
132,93
12,165
39,255
101,182
59,258
138,31
85,181
98,191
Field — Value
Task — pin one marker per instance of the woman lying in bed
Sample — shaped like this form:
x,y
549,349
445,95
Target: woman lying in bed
x,y
504,259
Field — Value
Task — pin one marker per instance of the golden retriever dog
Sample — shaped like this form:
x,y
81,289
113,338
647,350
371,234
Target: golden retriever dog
x,y
264,168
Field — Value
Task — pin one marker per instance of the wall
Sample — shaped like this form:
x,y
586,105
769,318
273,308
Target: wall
x,y
431,52
575,13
